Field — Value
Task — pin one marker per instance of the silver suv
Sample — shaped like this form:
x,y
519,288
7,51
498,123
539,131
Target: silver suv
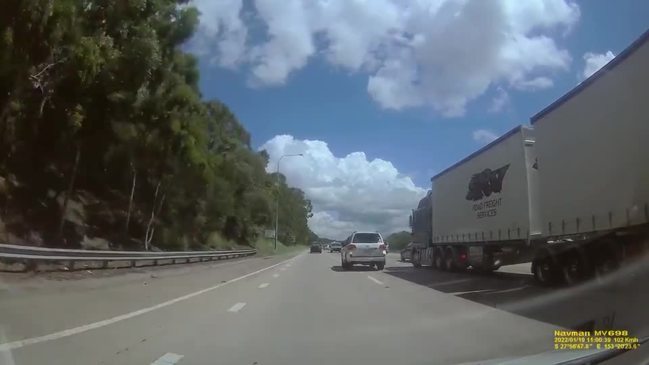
x,y
365,248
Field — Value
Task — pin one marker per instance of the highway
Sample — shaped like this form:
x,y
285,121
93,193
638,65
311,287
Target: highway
x,y
303,309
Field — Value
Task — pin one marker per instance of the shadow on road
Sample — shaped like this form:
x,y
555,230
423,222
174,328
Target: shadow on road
x,y
354,268
616,302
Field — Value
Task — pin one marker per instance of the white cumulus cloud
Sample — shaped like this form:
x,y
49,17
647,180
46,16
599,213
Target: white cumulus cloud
x,y
484,136
500,101
221,20
438,53
348,192
536,83
594,61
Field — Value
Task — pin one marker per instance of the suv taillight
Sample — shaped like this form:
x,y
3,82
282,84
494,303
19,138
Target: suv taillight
x,y
351,247
382,247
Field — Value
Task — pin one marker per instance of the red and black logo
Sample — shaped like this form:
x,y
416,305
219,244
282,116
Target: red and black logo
x,y
485,183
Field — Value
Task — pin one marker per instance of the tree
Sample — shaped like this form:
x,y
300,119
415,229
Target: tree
x,y
398,240
100,108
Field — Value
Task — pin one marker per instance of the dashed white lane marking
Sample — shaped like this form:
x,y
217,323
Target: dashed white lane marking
x,y
275,275
76,330
264,285
288,265
469,292
237,307
168,359
509,290
375,280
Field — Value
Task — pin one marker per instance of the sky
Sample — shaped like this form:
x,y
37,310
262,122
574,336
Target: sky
x,y
379,95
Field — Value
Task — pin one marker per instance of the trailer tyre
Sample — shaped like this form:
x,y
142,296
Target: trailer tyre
x,y
416,258
438,260
449,261
574,267
606,259
545,271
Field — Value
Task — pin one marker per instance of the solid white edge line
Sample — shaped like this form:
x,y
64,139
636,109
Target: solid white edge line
x,y
76,330
6,358
263,285
237,307
509,290
168,359
375,280
468,292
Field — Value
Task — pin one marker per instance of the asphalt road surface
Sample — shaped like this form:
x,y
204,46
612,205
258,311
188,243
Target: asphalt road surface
x,y
305,310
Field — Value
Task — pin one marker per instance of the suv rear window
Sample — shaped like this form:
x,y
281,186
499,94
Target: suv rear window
x,y
366,238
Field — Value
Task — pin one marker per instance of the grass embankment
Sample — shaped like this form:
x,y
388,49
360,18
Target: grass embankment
x,y
264,246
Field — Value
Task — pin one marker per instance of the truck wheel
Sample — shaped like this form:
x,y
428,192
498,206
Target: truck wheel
x,y
449,262
380,267
416,259
605,258
573,267
545,271
438,260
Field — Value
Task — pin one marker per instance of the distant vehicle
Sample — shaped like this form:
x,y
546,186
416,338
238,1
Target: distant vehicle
x,y
406,252
365,248
316,248
335,247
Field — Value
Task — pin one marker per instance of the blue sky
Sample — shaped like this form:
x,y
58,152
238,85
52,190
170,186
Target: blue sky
x,y
326,97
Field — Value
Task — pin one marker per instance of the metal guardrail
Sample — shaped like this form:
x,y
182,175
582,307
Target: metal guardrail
x,y
32,256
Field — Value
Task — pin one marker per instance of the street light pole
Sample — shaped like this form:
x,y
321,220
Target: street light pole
x,y
277,207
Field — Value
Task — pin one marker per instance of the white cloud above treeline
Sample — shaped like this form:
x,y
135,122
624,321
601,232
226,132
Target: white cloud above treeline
x,y
348,192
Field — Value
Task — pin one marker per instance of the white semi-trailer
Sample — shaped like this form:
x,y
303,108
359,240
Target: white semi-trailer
x,y
569,193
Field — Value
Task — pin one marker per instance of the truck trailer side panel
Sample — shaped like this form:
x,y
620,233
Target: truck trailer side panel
x,y
593,150
486,196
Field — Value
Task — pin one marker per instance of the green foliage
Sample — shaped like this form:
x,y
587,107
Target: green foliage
x,y
266,247
398,240
98,97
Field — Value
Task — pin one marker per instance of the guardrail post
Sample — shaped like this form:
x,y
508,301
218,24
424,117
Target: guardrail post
x,y
104,264
132,263
71,265
155,262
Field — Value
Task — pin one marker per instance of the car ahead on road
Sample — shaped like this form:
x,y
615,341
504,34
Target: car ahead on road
x,y
406,253
316,248
363,248
335,247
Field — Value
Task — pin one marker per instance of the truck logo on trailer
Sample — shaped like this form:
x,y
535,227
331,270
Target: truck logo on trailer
x,y
485,183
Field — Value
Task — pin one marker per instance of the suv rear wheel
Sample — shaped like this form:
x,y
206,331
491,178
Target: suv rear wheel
x,y
380,266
